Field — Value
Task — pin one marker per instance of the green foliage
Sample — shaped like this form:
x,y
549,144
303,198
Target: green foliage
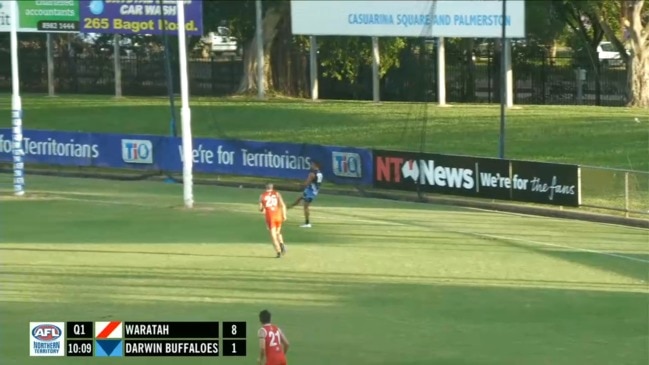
x,y
543,22
239,16
342,57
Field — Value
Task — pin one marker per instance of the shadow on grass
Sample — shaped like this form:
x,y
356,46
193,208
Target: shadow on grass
x,y
633,265
290,277
121,252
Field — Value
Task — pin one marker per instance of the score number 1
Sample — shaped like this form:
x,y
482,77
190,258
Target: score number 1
x,y
234,343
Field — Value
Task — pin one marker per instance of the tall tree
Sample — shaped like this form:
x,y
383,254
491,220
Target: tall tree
x,y
274,13
544,24
285,64
344,58
580,15
634,16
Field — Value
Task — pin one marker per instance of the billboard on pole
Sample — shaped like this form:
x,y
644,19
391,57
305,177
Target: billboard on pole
x,y
141,17
102,16
54,16
419,18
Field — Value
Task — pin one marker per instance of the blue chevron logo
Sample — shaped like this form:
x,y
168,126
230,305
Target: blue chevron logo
x,y
109,348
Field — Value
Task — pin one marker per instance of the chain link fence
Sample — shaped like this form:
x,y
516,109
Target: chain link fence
x,y
625,191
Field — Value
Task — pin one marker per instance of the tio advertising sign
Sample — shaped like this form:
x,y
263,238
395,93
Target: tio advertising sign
x,y
340,165
141,17
419,18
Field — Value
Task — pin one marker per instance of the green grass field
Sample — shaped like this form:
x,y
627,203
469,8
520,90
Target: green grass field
x,y
374,282
591,136
598,136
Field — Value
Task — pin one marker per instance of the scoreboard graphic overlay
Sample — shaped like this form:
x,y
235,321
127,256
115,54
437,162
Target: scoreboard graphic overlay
x,y
123,339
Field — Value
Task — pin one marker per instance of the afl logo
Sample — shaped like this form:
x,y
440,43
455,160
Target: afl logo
x,y
46,332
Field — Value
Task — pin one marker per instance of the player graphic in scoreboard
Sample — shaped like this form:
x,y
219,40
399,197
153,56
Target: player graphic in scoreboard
x,y
273,344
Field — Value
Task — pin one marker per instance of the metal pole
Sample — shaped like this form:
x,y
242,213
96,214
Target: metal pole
x,y
376,93
170,82
50,65
261,92
503,82
626,194
16,108
580,85
313,66
185,112
117,66
441,71
509,75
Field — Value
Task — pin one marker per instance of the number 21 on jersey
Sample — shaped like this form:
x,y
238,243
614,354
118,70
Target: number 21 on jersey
x,y
274,338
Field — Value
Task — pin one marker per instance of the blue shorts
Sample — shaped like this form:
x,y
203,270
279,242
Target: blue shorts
x,y
308,195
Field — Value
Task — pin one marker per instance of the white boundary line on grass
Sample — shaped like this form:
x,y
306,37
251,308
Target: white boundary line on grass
x,y
565,246
527,241
555,219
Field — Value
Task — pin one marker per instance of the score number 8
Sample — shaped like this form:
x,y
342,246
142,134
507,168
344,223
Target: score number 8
x,y
233,331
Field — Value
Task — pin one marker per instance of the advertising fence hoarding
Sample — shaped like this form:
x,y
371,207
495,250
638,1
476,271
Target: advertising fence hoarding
x,y
522,181
476,177
341,165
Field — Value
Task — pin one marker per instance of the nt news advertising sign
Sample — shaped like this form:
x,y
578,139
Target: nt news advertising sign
x,y
340,165
404,18
532,182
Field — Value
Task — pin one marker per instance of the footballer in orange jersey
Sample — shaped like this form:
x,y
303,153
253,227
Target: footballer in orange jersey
x,y
272,205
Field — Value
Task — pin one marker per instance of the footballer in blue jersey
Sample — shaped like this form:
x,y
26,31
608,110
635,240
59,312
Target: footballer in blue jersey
x,y
311,190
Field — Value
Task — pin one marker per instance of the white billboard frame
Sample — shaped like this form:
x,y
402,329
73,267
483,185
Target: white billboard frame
x,y
422,18
408,18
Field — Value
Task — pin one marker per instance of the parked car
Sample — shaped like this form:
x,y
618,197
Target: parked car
x,y
222,41
608,54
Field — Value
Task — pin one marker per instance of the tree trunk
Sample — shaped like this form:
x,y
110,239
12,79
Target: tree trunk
x,y
638,67
553,52
638,62
249,80
638,79
289,62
